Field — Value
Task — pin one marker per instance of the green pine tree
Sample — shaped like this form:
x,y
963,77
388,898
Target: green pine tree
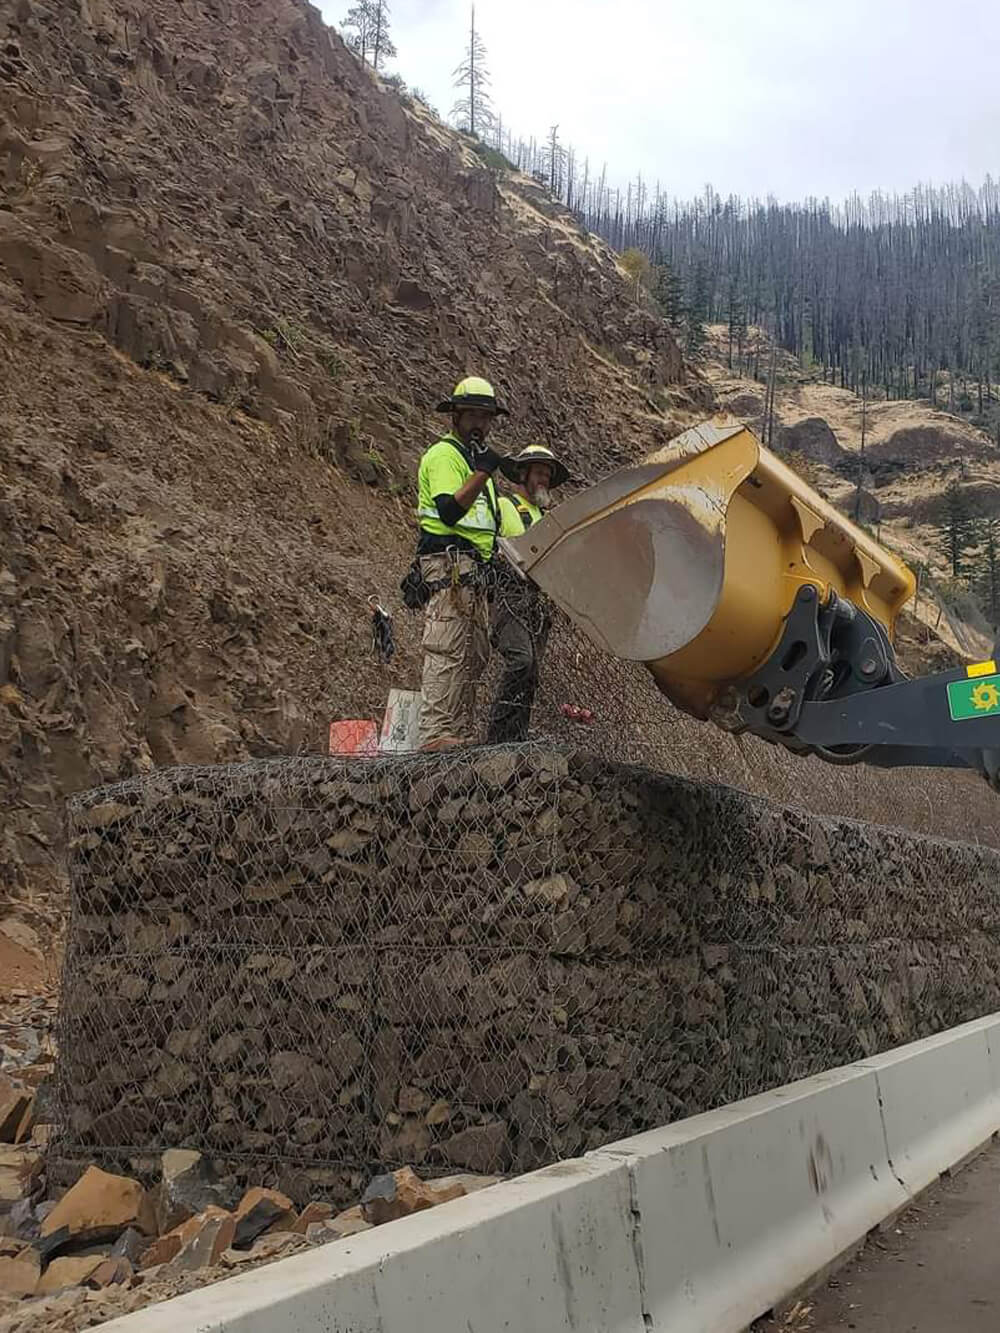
x,y
696,335
986,580
958,529
668,293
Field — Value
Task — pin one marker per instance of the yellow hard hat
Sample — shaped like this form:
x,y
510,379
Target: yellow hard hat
x,y
514,468
473,392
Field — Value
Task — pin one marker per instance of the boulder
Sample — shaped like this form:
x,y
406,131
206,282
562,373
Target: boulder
x,y
188,1185
111,1272
22,1220
266,1247
20,1268
25,1131
401,1193
131,1245
311,1214
467,1182
258,1211
480,1147
197,1243
69,1270
209,1235
21,1170
98,1207
348,1223
814,439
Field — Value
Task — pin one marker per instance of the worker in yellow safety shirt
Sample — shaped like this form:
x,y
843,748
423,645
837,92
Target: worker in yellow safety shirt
x,y
459,515
520,618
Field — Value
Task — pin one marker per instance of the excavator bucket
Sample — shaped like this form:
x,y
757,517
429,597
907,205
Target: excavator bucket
x,y
692,560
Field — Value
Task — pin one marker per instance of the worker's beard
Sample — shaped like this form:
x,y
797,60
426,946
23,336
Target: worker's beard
x,y
541,497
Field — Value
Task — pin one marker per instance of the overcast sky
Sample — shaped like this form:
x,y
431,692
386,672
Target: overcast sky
x,y
791,97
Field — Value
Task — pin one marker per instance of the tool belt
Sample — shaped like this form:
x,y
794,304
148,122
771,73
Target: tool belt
x,y
417,590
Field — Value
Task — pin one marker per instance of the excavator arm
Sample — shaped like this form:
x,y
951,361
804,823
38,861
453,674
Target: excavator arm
x,y
758,606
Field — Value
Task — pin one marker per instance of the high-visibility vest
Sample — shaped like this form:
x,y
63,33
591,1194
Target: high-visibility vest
x,y
443,469
517,515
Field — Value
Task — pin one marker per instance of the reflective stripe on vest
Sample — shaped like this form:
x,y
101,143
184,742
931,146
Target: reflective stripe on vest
x,y
478,517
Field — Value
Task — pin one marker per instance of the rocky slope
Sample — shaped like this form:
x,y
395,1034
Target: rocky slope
x,y
235,275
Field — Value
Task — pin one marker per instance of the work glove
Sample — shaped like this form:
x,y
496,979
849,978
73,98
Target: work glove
x,y
484,459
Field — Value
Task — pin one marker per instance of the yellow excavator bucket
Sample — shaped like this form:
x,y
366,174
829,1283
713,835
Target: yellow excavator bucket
x,y
691,560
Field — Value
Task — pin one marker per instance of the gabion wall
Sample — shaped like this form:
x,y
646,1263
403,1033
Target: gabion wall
x,y
481,961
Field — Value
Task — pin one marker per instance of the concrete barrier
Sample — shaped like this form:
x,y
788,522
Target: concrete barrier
x,y
698,1227
553,1250
940,1100
743,1204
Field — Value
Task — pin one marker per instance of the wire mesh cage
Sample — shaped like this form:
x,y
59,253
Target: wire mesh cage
x,y
482,960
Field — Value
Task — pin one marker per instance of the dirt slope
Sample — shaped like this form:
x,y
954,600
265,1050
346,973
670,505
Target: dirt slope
x,y
235,274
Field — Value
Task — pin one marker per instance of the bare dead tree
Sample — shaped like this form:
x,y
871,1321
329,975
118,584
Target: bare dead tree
x,y
474,109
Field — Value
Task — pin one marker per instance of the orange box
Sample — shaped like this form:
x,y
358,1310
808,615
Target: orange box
x,y
354,736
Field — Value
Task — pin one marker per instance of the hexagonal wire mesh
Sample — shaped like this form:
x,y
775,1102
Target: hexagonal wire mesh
x,y
480,960
626,719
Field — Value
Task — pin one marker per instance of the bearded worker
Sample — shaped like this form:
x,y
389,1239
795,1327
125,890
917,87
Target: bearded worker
x,y
521,619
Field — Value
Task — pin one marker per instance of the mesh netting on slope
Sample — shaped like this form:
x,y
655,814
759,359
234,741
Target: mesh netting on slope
x,y
633,723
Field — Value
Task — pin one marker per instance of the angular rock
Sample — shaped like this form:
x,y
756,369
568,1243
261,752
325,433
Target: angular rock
x,y
556,890
23,1221
210,1234
481,1147
131,1245
468,1182
100,1206
311,1214
14,1103
259,1210
69,1270
21,1171
188,1185
497,769
112,1272
162,1251
20,1268
26,1130
413,1100
275,1242
348,1223
400,1194
196,1243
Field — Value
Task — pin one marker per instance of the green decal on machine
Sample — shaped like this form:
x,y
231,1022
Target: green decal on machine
x,y
974,698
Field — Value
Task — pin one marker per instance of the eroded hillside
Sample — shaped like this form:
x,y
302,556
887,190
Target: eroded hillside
x,y
235,275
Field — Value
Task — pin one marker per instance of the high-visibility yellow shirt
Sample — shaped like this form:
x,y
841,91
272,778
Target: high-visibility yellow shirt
x,y
517,515
444,470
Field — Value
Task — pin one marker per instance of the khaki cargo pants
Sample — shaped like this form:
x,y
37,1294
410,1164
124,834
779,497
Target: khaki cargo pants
x,y
456,650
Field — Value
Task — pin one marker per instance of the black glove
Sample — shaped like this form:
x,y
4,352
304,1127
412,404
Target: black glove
x,y
485,459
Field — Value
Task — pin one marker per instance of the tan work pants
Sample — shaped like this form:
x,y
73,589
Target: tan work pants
x,y
456,650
